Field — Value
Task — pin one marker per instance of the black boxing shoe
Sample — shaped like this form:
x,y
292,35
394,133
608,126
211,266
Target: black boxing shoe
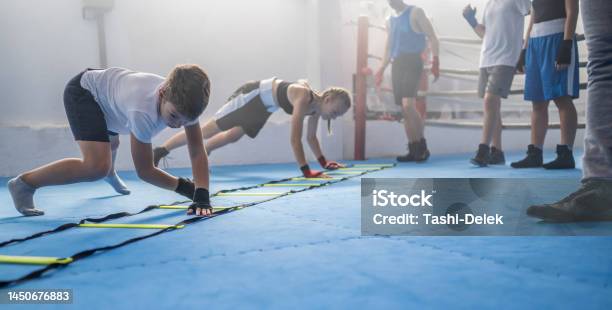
x,y
422,153
591,202
534,158
497,157
482,157
564,160
410,157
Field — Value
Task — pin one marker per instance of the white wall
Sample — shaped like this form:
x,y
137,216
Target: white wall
x,y
45,43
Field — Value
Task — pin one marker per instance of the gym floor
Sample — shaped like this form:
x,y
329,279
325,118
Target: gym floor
x,y
303,250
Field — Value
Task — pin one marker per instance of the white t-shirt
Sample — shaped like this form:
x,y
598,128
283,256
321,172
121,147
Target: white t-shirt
x,y
504,22
128,99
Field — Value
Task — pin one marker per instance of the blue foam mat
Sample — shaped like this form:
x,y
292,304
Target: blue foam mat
x,y
305,250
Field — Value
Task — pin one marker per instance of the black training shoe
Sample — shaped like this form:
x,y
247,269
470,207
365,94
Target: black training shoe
x,y
497,157
422,153
482,157
591,202
411,152
532,160
564,160
159,153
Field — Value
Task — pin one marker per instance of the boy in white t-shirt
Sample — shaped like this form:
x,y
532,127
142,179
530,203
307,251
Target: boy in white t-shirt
x,y
502,33
100,105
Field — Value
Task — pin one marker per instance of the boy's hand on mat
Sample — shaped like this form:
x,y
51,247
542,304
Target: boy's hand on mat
x,y
199,209
201,203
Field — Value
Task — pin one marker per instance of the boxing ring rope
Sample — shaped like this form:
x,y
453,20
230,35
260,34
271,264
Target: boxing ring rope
x,y
360,86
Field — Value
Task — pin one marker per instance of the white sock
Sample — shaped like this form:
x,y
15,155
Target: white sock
x,y
115,181
23,197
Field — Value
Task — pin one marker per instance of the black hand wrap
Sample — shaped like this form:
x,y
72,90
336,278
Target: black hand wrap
x,y
185,187
201,200
305,169
564,56
520,65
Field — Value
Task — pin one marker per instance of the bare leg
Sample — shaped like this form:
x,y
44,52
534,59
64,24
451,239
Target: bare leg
x,y
95,165
223,138
497,133
569,120
175,141
112,178
491,118
413,123
539,126
539,123
209,129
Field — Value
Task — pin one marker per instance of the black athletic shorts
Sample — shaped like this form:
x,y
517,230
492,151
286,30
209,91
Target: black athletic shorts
x,y
406,71
244,109
85,117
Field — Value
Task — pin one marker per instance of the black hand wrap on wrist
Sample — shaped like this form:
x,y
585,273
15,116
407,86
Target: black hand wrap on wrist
x,y
185,187
520,65
564,56
305,168
201,195
201,199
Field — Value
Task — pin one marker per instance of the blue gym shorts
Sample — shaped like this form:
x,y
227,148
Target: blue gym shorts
x,y
543,82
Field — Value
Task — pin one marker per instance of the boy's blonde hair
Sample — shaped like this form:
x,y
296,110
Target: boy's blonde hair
x,y
187,87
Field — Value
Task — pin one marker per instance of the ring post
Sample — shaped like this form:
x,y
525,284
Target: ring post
x,y
360,87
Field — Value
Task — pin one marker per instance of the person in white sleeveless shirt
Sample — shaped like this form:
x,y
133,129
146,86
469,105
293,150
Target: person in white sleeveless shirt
x,y
100,105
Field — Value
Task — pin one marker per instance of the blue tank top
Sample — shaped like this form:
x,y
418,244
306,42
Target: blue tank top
x,y
403,39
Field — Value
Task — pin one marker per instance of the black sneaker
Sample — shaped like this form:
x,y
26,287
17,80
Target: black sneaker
x,y
591,202
411,152
483,156
532,160
158,154
422,153
564,160
497,157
